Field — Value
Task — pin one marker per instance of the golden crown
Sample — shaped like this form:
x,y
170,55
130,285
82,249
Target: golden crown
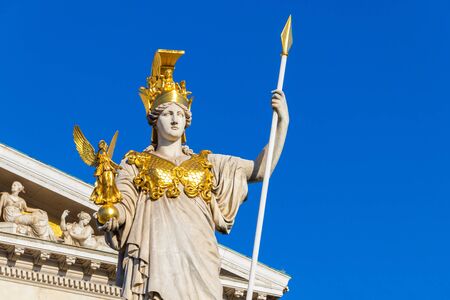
x,y
161,88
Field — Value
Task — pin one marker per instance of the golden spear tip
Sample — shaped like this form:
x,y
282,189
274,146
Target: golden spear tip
x,y
286,36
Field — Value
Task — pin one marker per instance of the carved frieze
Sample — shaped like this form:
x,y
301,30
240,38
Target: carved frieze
x,y
18,218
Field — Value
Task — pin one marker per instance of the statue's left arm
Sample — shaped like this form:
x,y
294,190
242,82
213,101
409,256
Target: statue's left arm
x,y
29,209
84,235
255,169
231,174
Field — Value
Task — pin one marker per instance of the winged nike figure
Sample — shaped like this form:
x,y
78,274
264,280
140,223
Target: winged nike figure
x,y
105,189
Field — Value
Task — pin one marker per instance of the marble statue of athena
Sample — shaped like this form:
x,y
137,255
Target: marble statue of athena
x,y
173,200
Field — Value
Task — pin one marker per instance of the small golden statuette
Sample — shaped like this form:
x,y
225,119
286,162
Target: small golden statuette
x,y
105,191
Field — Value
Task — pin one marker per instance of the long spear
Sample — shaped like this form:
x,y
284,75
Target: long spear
x,y
286,42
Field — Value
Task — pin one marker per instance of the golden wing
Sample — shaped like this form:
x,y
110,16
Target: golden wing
x,y
112,145
84,148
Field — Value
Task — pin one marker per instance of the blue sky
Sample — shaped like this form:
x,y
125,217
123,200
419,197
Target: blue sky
x,y
359,205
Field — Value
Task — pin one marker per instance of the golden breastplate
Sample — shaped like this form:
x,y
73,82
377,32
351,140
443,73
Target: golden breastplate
x,y
158,176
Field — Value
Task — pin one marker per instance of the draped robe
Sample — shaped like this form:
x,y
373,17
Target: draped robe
x,y
167,247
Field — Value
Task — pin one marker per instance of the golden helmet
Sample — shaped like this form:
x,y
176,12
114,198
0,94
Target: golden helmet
x,y
161,88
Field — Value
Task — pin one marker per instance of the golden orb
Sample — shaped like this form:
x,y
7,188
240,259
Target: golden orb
x,y
106,212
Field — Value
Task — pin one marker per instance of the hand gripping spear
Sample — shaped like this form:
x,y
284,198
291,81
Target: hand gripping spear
x,y
286,41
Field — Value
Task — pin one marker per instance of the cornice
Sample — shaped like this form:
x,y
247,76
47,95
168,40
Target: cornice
x,y
102,291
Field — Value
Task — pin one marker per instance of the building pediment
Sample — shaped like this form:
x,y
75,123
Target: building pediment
x,y
46,187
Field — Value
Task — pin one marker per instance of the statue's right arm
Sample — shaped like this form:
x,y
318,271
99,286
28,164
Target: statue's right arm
x,y
127,206
130,195
62,224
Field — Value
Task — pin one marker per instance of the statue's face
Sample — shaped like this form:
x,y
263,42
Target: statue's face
x,y
16,187
171,123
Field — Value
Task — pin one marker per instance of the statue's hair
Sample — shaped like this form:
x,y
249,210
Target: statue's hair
x,y
83,215
23,188
153,116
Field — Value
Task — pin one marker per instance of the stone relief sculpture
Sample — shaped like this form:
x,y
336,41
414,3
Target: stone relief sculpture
x,y
19,218
173,200
81,233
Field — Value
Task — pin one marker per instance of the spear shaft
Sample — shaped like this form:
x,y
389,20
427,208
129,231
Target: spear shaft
x,y
286,39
